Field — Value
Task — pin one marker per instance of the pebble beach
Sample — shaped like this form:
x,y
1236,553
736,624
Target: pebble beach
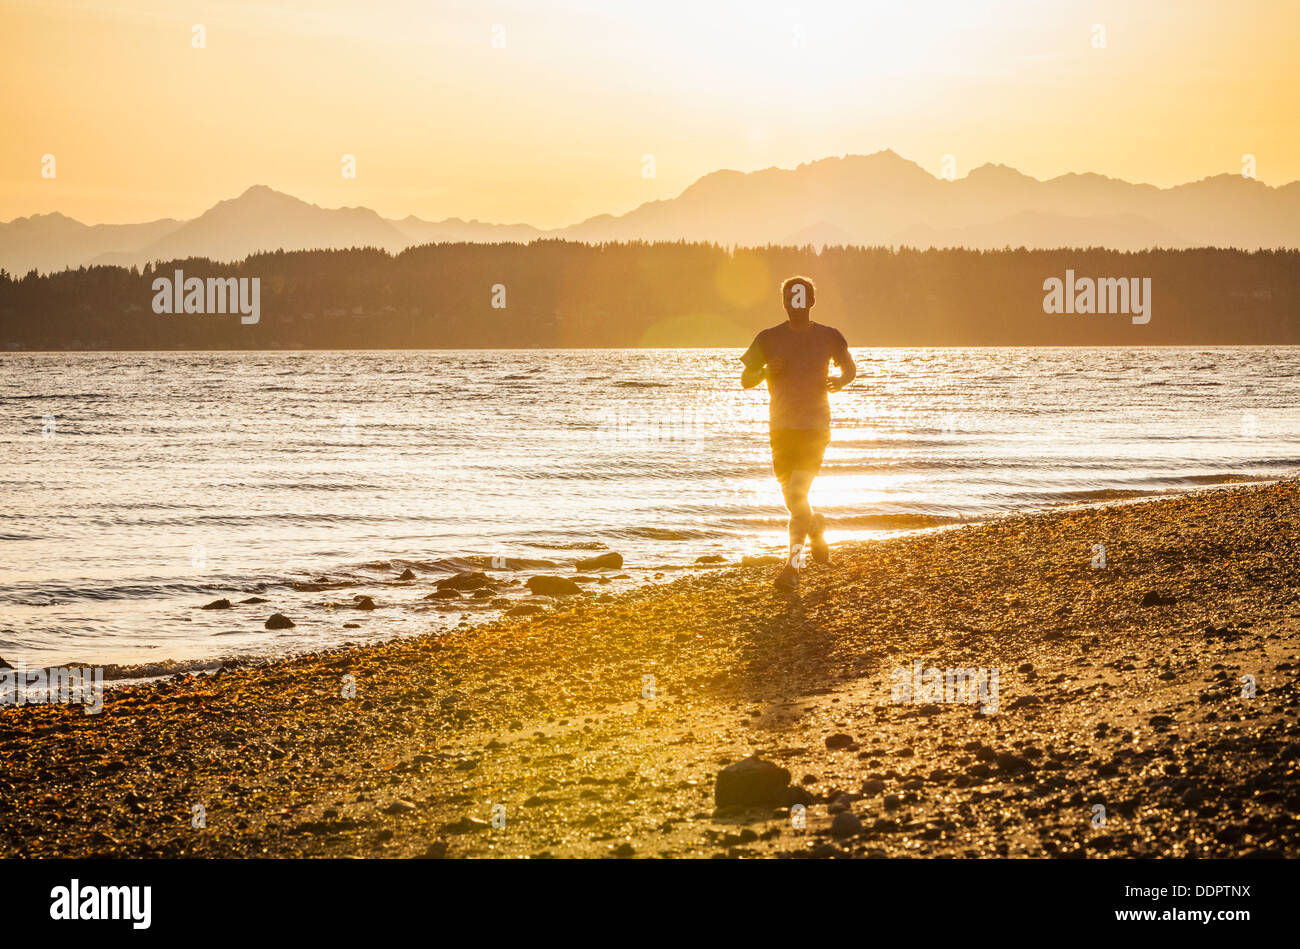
x,y
1146,707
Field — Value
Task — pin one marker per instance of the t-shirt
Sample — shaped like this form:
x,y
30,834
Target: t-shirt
x,y
798,362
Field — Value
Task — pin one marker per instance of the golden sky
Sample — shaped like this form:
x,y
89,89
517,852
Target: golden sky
x,y
552,126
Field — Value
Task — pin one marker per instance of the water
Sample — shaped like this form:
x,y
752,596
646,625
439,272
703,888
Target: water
x,y
137,487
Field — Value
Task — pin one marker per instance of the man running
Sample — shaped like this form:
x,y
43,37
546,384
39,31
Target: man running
x,y
794,358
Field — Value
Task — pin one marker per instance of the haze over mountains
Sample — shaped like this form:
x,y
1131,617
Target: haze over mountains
x,y
867,200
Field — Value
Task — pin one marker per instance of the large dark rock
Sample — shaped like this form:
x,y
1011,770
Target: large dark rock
x,y
752,782
279,621
466,580
610,561
216,605
553,586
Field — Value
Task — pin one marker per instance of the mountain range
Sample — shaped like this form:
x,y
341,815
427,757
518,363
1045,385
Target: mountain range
x,y
866,200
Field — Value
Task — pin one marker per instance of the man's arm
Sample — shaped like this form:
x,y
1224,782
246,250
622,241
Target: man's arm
x,y
844,362
754,361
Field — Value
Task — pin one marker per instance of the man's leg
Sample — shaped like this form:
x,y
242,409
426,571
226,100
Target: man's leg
x,y
821,551
801,514
795,488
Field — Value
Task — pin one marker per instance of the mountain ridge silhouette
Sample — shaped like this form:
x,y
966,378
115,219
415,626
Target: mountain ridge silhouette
x,y
881,199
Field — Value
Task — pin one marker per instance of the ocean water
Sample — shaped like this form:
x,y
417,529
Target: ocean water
x,y
136,487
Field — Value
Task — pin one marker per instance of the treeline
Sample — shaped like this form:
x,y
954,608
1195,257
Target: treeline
x,y
560,294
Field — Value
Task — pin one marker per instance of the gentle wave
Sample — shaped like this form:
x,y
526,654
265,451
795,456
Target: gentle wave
x,y
191,477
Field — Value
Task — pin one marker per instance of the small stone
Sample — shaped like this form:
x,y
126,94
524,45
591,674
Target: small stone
x,y
1156,598
553,586
216,605
838,741
751,782
609,561
1011,762
465,825
797,795
846,824
465,580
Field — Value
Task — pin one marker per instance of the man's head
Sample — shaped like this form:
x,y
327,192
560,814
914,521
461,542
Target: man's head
x,y
798,295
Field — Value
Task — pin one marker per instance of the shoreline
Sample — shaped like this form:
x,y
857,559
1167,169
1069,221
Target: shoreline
x,y
118,674
574,349
1103,701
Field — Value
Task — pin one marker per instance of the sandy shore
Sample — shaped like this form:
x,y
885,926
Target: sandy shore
x,y
546,735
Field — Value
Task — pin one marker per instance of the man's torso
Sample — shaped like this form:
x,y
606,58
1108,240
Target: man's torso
x,y
797,365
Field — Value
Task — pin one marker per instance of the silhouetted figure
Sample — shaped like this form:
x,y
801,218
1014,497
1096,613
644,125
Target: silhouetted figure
x,y
794,357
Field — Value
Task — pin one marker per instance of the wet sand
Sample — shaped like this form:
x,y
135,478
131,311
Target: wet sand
x,y
545,736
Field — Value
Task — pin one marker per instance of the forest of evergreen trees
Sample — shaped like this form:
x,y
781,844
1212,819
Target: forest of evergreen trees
x,y
553,293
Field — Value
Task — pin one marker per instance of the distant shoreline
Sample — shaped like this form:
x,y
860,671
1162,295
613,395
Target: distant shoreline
x,y
669,295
